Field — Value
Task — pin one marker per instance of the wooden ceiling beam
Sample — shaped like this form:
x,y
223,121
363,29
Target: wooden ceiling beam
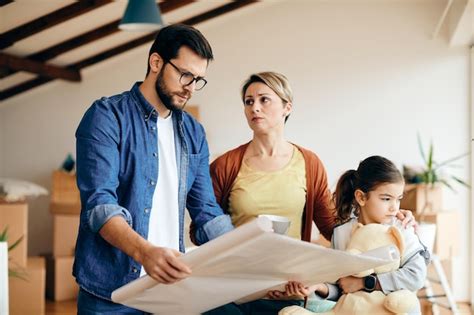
x,y
124,47
218,11
88,37
5,2
44,70
98,33
150,37
42,23
23,87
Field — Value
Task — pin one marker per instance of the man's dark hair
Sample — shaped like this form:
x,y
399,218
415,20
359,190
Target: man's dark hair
x,y
171,38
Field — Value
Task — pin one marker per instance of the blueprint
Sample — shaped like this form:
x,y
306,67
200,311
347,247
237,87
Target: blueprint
x,y
243,265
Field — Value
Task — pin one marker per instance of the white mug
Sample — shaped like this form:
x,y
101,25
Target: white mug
x,y
280,224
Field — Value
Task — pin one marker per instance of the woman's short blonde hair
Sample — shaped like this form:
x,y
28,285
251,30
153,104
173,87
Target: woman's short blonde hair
x,y
276,81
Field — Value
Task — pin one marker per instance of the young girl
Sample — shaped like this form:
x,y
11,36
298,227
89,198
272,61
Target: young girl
x,y
371,194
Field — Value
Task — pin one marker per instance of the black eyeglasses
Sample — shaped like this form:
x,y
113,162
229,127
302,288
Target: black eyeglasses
x,y
187,78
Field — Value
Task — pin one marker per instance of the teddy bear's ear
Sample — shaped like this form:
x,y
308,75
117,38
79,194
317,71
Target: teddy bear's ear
x,y
397,235
356,227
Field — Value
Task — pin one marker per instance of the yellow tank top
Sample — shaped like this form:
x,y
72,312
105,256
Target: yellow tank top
x,y
281,192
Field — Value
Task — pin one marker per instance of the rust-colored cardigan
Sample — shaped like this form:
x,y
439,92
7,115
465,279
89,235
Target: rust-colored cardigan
x,y
224,171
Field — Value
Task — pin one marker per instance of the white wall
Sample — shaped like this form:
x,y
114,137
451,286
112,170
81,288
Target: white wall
x,y
366,77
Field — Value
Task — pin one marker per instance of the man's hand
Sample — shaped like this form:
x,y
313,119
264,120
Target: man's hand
x,y
407,218
162,264
351,284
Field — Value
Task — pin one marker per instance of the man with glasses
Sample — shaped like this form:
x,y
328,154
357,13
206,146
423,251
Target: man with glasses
x,y
141,161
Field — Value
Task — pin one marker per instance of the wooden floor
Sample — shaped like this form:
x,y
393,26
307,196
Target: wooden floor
x,y
63,308
69,308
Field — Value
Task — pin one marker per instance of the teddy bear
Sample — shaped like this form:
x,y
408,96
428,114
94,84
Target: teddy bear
x,y
365,238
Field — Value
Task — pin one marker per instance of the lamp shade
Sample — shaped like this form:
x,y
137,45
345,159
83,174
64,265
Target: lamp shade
x,y
141,15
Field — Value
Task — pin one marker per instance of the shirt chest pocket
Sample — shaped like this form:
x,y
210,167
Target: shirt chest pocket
x,y
193,169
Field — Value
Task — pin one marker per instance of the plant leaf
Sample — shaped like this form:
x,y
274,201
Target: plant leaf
x,y
456,166
448,161
460,181
18,274
420,146
429,163
12,246
4,235
445,182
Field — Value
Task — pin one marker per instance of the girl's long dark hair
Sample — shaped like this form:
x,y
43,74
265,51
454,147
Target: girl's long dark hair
x,y
372,172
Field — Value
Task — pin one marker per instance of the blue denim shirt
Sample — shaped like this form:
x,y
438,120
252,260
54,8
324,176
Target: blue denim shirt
x,y
117,170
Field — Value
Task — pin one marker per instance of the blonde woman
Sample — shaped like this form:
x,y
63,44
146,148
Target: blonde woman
x,y
270,175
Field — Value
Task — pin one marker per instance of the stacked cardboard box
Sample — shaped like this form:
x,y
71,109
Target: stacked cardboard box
x,y
418,196
14,216
27,293
65,208
31,282
447,223
65,197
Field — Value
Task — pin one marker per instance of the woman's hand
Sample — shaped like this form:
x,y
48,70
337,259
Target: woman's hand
x,y
407,218
276,295
350,284
297,290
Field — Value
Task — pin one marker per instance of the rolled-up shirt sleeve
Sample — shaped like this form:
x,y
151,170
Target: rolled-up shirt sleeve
x,y
97,139
214,228
100,214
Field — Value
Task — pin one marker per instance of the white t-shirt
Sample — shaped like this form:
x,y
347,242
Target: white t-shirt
x,y
163,229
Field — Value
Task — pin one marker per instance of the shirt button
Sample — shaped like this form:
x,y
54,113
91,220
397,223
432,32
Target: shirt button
x,y
135,270
152,182
153,127
147,210
155,154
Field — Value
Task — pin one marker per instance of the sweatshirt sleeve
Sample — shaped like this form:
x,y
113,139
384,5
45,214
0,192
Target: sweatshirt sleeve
x,y
412,273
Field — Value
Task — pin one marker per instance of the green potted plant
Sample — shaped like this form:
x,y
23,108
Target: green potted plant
x,y
5,272
4,239
428,180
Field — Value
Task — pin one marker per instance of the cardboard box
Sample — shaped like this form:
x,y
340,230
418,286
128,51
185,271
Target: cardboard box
x,y
15,216
415,197
64,189
447,239
65,229
60,284
193,110
65,208
27,296
65,198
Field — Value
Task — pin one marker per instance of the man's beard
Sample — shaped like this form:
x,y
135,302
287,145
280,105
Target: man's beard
x,y
165,95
